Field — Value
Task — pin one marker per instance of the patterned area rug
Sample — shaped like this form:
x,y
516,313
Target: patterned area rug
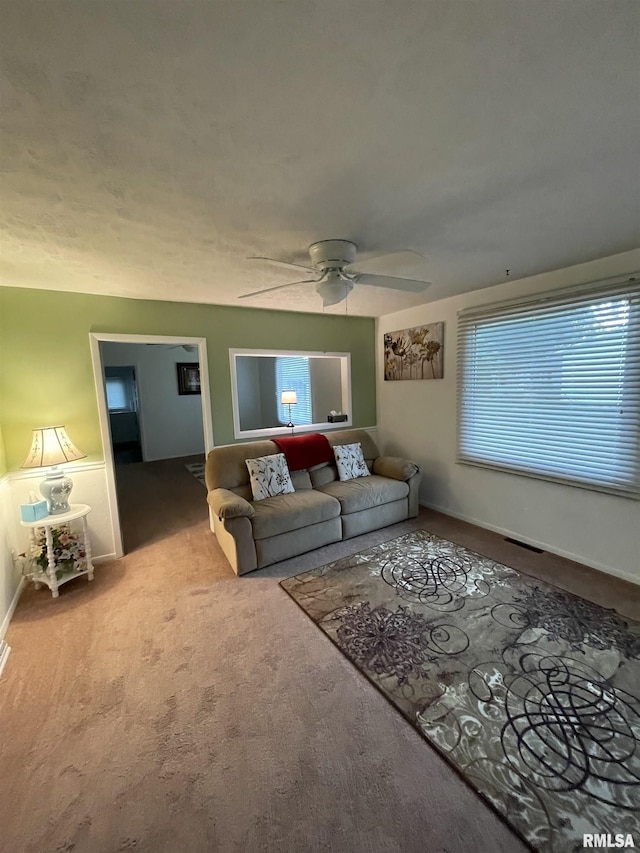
x,y
197,469
530,692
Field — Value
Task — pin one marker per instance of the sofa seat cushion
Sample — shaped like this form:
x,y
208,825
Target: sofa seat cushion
x,y
284,513
365,492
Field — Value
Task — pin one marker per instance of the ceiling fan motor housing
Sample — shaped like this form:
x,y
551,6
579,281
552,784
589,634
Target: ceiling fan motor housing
x,y
332,254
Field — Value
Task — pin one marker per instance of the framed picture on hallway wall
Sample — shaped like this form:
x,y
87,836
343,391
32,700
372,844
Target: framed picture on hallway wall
x,y
416,353
188,378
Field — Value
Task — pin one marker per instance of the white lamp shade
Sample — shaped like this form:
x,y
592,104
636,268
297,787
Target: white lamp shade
x,y
333,290
288,398
51,446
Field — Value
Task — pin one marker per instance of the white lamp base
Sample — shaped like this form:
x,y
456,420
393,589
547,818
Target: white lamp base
x,y
56,488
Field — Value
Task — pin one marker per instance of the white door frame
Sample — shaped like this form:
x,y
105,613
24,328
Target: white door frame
x,y
95,339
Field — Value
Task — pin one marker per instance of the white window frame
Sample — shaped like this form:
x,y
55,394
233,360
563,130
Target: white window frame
x,y
534,437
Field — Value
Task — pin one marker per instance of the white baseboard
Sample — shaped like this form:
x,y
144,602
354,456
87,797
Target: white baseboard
x,y
4,654
175,456
12,607
104,558
578,558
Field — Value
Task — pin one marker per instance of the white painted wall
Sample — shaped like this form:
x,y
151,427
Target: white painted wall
x,y
170,424
10,575
418,419
89,487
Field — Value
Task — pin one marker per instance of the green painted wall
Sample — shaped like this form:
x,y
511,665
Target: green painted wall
x,y
3,458
46,375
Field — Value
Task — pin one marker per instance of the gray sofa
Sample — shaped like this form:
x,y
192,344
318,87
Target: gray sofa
x,y
254,534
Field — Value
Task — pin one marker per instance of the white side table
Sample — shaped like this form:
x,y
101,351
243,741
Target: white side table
x,y
77,511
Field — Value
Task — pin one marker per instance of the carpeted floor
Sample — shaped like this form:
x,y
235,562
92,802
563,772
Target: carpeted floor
x,y
197,469
171,706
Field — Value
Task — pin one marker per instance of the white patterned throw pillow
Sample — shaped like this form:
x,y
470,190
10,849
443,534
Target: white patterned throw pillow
x,y
269,476
350,461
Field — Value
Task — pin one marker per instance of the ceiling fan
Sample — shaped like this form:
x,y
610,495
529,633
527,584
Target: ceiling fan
x,y
333,262
186,347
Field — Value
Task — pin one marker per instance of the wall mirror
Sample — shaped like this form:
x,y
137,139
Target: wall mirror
x,y
321,382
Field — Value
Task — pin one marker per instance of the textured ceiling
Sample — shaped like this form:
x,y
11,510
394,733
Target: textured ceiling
x,y
149,147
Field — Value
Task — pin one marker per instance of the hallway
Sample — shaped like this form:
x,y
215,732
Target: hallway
x,y
156,499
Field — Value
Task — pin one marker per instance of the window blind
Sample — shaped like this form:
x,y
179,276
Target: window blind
x,y
292,374
117,397
550,386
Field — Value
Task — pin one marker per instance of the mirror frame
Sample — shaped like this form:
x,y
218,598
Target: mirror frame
x,y
345,376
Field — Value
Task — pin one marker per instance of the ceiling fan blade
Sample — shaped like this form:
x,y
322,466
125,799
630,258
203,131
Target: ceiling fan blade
x,y
403,256
282,263
390,281
279,287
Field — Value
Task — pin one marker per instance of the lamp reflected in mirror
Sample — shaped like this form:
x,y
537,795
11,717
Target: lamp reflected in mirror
x,y
289,398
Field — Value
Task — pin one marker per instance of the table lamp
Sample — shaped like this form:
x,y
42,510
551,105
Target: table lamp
x,y
52,446
289,398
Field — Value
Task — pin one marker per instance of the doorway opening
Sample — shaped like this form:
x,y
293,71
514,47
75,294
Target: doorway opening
x,y
143,413
124,423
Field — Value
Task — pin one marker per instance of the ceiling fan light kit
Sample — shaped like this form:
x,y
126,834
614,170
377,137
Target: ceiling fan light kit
x,y
335,260
333,288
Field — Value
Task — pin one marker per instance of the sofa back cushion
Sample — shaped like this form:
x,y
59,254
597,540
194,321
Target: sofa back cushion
x,y
323,474
226,466
300,480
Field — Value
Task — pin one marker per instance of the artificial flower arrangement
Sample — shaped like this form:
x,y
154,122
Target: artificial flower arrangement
x,y
68,552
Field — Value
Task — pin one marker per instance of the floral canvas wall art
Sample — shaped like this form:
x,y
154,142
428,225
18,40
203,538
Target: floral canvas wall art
x,y
416,353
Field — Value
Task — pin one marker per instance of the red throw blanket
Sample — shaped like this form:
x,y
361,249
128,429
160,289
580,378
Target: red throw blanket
x,y
305,451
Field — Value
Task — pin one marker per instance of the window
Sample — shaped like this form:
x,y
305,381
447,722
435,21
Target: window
x,y
550,386
121,389
292,374
117,394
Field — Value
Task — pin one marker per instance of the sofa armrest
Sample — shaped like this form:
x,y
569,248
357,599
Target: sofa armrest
x,y
395,467
226,504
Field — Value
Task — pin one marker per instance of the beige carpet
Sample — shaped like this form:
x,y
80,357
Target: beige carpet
x,y
170,706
